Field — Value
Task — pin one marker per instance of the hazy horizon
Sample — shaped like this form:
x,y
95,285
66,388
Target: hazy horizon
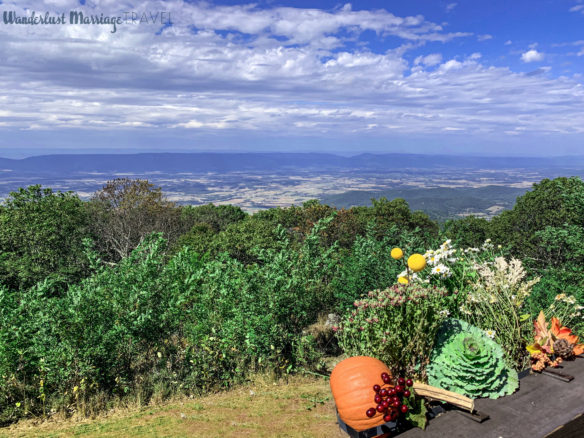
x,y
23,154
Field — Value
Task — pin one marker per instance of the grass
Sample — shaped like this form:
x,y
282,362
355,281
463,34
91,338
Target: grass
x,y
295,407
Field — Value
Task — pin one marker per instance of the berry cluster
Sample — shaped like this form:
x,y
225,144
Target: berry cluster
x,y
390,401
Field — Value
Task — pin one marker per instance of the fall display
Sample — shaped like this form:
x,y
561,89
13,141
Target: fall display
x,y
553,341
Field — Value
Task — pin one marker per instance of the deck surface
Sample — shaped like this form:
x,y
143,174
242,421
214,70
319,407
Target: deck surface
x,y
542,405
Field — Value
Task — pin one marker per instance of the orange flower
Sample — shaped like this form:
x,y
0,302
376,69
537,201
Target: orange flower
x,y
565,333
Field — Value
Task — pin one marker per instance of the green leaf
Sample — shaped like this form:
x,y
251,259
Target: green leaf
x,y
417,414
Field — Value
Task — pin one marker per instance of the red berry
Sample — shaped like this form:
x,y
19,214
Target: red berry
x,y
380,408
399,389
370,412
407,393
409,382
387,380
376,388
387,418
394,414
395,398
403,409
385,403
384,376
401,381
383,393
377,398
396,404
391,392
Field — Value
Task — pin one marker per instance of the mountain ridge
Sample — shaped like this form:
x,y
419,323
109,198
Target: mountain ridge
x,y
211,161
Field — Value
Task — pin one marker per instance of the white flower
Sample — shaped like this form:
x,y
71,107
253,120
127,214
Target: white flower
x,y
441,270
444,312
490,333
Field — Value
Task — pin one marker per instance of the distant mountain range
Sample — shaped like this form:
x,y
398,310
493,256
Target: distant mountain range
x,y
218,162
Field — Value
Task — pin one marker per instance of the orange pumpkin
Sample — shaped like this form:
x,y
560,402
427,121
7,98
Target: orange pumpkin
x,y
352,383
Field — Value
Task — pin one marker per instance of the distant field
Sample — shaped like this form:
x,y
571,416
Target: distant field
x,y
442,186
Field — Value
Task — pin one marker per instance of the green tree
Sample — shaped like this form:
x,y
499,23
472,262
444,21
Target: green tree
x,y
545,229
551,203
218,217
41,235
470,231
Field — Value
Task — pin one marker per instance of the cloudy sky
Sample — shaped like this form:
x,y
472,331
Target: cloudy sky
x,y
429,76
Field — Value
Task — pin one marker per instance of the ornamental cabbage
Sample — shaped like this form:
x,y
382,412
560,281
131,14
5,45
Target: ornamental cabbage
x,y
464,360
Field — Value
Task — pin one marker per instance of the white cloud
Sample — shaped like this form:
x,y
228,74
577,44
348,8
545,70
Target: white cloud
x,y
577,8
429,60
508,42
450,6
532,56
285,71
484,37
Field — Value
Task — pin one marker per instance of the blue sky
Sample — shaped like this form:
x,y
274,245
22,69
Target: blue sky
x,y
426,76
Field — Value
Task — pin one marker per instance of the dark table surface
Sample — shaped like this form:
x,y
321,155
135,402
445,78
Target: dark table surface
x,y
542,405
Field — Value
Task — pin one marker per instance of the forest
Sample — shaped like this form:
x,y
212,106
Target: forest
x,y
130,296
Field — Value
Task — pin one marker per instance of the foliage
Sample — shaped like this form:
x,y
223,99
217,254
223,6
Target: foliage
x,y
41,235
551,204
143,326
218,217
388,214
469,231
496,303
562,249
466,361
396,325
125,211
367,266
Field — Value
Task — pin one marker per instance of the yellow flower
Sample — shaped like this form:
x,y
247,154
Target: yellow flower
x,y
397,253
417,262
402,280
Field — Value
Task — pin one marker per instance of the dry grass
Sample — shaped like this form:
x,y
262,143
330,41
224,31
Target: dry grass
x,y
296,407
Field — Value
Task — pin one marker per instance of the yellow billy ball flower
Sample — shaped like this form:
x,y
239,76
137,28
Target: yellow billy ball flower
x,y
417,262
397,253
402,280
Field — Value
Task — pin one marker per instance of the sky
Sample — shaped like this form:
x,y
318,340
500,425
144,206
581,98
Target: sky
x,y
419,76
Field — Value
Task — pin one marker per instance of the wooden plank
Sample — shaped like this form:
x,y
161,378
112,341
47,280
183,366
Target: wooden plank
x,y
435,393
